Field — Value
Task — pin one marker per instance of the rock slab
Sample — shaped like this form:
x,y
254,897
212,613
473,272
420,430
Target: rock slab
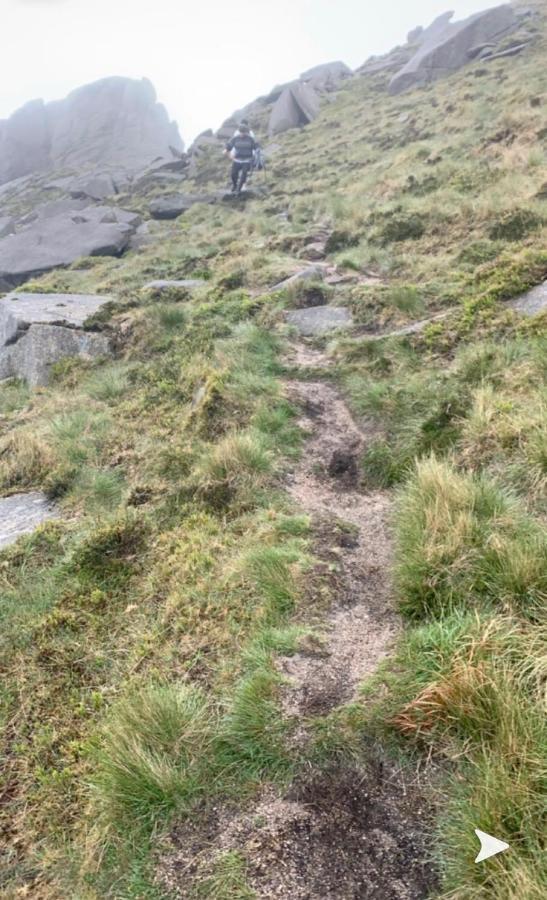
x,y
38,330
63,238
533,302
317,320
22,514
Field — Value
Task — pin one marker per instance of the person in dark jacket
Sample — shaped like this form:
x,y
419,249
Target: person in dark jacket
x,y
241,148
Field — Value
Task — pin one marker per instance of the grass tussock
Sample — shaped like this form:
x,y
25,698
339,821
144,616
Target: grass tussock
x,y
151,761
465,541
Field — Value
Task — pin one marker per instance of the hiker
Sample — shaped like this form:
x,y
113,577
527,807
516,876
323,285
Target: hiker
x,y
241,148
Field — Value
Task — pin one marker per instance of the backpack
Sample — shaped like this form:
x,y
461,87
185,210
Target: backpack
x,y
259,162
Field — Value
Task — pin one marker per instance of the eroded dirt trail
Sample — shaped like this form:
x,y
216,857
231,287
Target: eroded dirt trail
x,y
349,831
358,631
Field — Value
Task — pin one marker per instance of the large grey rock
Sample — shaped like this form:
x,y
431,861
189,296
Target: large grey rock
x,y
7,226
60,240
174,205
317,320
311,273
102,215
94,187
19,310
326,77
444,47
113,121
533,302
38,330
297,106
56,207
32,357
22,514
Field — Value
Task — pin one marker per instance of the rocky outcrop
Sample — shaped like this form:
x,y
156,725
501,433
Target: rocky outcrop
x,y
289,105
444,47
59,240
326,77
115,121
38,330
297,106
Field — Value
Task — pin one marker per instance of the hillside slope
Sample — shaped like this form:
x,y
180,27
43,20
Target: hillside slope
x,y
293,603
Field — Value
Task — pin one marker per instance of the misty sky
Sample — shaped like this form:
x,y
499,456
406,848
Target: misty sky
x,y
206,58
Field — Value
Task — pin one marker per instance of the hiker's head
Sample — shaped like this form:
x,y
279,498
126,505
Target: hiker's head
x,y
245,122
243,129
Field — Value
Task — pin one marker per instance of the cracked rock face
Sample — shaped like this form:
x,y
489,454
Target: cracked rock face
x,y
38,330
114,121
444,47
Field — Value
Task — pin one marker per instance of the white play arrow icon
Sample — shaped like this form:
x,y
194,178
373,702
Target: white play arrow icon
x,y
490,846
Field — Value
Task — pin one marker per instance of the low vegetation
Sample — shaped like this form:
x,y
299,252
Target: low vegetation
x,y
140,629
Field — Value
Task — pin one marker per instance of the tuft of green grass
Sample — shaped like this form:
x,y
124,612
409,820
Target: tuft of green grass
x,y
108,383
253,734
150,762
170,316
236,466
14,396
463,541
97,490
272,570
228,880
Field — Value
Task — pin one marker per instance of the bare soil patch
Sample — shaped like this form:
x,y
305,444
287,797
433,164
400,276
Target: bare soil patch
x,y
341,834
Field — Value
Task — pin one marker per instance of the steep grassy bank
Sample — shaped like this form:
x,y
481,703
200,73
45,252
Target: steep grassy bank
x,y
177,551
139,631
